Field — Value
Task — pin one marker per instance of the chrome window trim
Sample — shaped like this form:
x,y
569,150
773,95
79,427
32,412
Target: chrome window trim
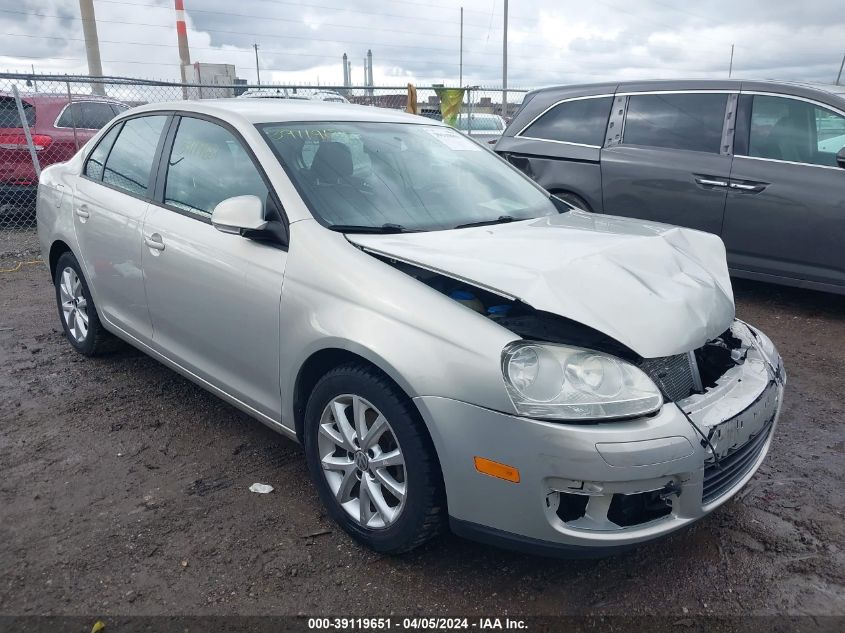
x,y
677,92
79,127
551,140
554,105
783,95
788,162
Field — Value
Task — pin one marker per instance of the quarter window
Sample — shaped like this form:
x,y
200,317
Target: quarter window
x,y
691,121
207,165
580,121
795,131
97,159
130,161
87,115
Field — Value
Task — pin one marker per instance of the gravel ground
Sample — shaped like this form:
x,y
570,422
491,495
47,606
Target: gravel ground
x,y
124,491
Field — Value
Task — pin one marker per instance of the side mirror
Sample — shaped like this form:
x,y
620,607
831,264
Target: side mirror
x,y
840,158
239,215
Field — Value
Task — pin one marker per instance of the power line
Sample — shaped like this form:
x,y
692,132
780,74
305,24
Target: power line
x,y
262,18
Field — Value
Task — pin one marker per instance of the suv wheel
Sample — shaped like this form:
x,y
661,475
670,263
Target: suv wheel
x,y
76,307
372,461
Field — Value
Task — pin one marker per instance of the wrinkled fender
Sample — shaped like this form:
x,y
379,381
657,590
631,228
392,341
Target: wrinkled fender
x,y
335,296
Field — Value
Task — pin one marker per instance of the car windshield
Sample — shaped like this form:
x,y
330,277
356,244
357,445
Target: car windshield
x,y
480,123
399,176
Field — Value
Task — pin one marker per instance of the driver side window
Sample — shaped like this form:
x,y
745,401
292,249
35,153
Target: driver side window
x,y
207,165
796,131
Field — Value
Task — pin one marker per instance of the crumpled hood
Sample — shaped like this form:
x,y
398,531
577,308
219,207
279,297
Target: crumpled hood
x,y
660,290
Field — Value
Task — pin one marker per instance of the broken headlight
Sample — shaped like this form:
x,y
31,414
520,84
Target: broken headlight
x,y
569,383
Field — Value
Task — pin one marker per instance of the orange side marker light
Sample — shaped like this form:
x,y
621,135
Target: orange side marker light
x,y
495,469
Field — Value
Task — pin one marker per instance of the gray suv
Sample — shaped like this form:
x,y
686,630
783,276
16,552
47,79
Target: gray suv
x,y
758,163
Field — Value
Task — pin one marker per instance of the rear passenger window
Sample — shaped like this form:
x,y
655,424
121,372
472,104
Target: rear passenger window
x,y
131,159
580,121
97,159
207,165
692,121
88,115
9,116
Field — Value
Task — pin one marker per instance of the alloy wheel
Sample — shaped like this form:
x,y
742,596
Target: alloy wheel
x,y
74,304
362,461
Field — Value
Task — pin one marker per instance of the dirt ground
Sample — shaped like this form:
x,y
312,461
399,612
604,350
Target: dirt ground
x,y
123,490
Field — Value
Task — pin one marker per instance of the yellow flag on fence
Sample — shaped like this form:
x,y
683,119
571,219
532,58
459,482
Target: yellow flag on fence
x,y
412,100
451,100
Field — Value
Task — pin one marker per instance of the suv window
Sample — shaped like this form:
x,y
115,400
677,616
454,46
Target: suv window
x,y
97,159
207,165
130,161
87,115
796,131
691,121
580,121
9,116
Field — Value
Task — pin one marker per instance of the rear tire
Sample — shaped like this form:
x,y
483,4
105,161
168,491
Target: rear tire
x,y
372,460
77,311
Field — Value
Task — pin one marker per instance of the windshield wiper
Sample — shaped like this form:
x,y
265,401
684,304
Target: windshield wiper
x,y
502,219
363,228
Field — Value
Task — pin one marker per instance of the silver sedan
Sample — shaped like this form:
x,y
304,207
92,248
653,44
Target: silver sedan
x,y
452,345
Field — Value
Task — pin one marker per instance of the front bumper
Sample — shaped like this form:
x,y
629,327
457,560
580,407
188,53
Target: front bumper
x,y
604,487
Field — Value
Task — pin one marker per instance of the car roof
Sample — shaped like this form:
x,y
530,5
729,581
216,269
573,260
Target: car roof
x,y
47,97
691,84
285,110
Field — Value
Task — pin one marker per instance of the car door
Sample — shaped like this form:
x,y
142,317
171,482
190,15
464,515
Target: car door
x,y
214,297
785,212
670,163
110,200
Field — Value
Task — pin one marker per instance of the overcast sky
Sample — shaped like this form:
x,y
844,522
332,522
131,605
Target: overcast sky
x,y
550,41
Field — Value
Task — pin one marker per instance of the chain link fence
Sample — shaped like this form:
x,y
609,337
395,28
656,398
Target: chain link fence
x,y
46,119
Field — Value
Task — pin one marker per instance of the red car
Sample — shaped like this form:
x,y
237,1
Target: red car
x,y
58,125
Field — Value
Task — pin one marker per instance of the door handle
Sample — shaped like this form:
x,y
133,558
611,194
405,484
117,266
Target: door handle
x,y
749,187
711,182
82,211
155,242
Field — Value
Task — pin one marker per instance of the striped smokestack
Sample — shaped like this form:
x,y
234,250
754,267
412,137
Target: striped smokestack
x,y
182,36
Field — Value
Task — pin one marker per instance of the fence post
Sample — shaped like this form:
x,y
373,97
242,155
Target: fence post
x,y
469,111
26,132
72,115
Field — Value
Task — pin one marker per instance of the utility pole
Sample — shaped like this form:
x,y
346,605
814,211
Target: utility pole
x,y
257,71
505,65
841,66
461,58
731,67
92,44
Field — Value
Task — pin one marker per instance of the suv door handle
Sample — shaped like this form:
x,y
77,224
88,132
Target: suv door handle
x,y
748,187
155,242
82,211
711,182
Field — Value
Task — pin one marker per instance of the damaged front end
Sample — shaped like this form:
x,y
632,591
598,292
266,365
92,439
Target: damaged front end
x,y
730,392
652,472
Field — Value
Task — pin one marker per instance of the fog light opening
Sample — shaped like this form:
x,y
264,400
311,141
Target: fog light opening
x,y
571,506
639,508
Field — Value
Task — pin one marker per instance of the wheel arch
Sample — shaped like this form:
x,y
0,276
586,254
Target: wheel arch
x,y
321,361
57,249
567,194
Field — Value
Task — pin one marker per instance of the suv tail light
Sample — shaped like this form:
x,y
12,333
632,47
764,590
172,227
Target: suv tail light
x,y
18,141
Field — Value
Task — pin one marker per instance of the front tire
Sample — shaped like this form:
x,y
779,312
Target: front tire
x,y
372,461
77,311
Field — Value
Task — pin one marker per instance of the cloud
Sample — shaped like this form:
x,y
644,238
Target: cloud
x,y
550,41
